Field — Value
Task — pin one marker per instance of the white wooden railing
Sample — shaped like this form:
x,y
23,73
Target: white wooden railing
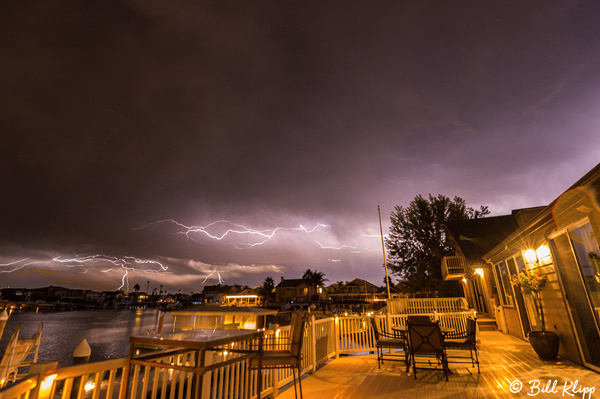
x,y
171,379
426,305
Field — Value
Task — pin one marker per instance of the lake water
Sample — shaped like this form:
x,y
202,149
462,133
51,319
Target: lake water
x,y
107,331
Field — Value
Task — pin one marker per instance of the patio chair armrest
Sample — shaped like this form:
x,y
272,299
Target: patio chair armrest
x,y
456,335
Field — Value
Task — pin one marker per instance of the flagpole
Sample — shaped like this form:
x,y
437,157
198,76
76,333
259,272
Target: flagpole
x,y
387,280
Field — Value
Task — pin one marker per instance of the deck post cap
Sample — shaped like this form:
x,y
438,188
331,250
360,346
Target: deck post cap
x,y
83,349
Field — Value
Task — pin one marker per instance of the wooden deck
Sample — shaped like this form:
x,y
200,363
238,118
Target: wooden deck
x,y
504,359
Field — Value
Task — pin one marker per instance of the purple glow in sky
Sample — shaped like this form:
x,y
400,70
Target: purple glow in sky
x,y
268,133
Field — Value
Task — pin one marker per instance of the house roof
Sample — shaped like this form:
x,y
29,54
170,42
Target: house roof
x,y
358,282
475,237
361,282
292,282
562,204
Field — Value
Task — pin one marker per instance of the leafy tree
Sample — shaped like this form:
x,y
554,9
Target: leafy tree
x,y
268,286
314,279
389,279
417,241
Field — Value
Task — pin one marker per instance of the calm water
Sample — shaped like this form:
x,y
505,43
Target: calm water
x,y
107,331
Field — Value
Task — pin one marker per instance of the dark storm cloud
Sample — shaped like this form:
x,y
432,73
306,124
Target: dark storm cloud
x,y
116,114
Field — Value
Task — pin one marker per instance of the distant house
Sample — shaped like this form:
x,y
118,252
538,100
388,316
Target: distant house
x,y
217,293
358,295
298,291
16,294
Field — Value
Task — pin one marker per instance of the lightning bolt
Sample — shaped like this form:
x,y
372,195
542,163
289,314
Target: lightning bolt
x,y
234,229
355,249
126,263
375,235
19,264
219,279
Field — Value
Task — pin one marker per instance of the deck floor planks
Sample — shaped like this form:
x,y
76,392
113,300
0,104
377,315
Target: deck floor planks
x,y
503,358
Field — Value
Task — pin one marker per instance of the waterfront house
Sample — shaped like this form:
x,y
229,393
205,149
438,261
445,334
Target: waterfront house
x,y
298,292
217,293
357,295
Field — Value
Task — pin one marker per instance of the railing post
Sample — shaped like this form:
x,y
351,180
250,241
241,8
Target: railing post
x,y
336,335
81,355
44,370
275,382
313,344
206,377
3,321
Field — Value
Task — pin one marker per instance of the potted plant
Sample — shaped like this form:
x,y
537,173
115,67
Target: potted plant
x,y
545,343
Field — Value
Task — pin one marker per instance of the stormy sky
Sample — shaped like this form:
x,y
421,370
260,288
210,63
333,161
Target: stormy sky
x,y
181,142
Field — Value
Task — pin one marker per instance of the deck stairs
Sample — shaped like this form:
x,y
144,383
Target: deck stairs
x,y
486,323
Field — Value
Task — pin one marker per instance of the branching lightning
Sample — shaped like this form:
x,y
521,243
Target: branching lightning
x,y
126,263
19,264
234,229
219,279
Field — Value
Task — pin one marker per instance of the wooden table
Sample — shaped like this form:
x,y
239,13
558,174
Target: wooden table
x,y
404,330
147,350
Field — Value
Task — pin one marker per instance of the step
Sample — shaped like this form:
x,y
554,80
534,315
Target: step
x,y
487,324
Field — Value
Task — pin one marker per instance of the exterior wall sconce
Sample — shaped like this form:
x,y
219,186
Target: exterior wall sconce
x,y
479,271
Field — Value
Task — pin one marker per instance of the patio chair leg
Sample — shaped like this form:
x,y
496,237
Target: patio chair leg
x,y
445,366
300,381
414,367
294,378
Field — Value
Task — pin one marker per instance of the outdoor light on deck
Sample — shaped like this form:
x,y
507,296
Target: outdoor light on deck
x,y
47,382
464,280
479,271
539,257
530,256
543,254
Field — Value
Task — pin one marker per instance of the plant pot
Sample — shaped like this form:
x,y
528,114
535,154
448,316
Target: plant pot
x,y
545,344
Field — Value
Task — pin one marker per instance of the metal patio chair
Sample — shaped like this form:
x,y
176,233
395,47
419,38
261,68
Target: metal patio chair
x,y
464,341
425,342
418,318
384,340
289,358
